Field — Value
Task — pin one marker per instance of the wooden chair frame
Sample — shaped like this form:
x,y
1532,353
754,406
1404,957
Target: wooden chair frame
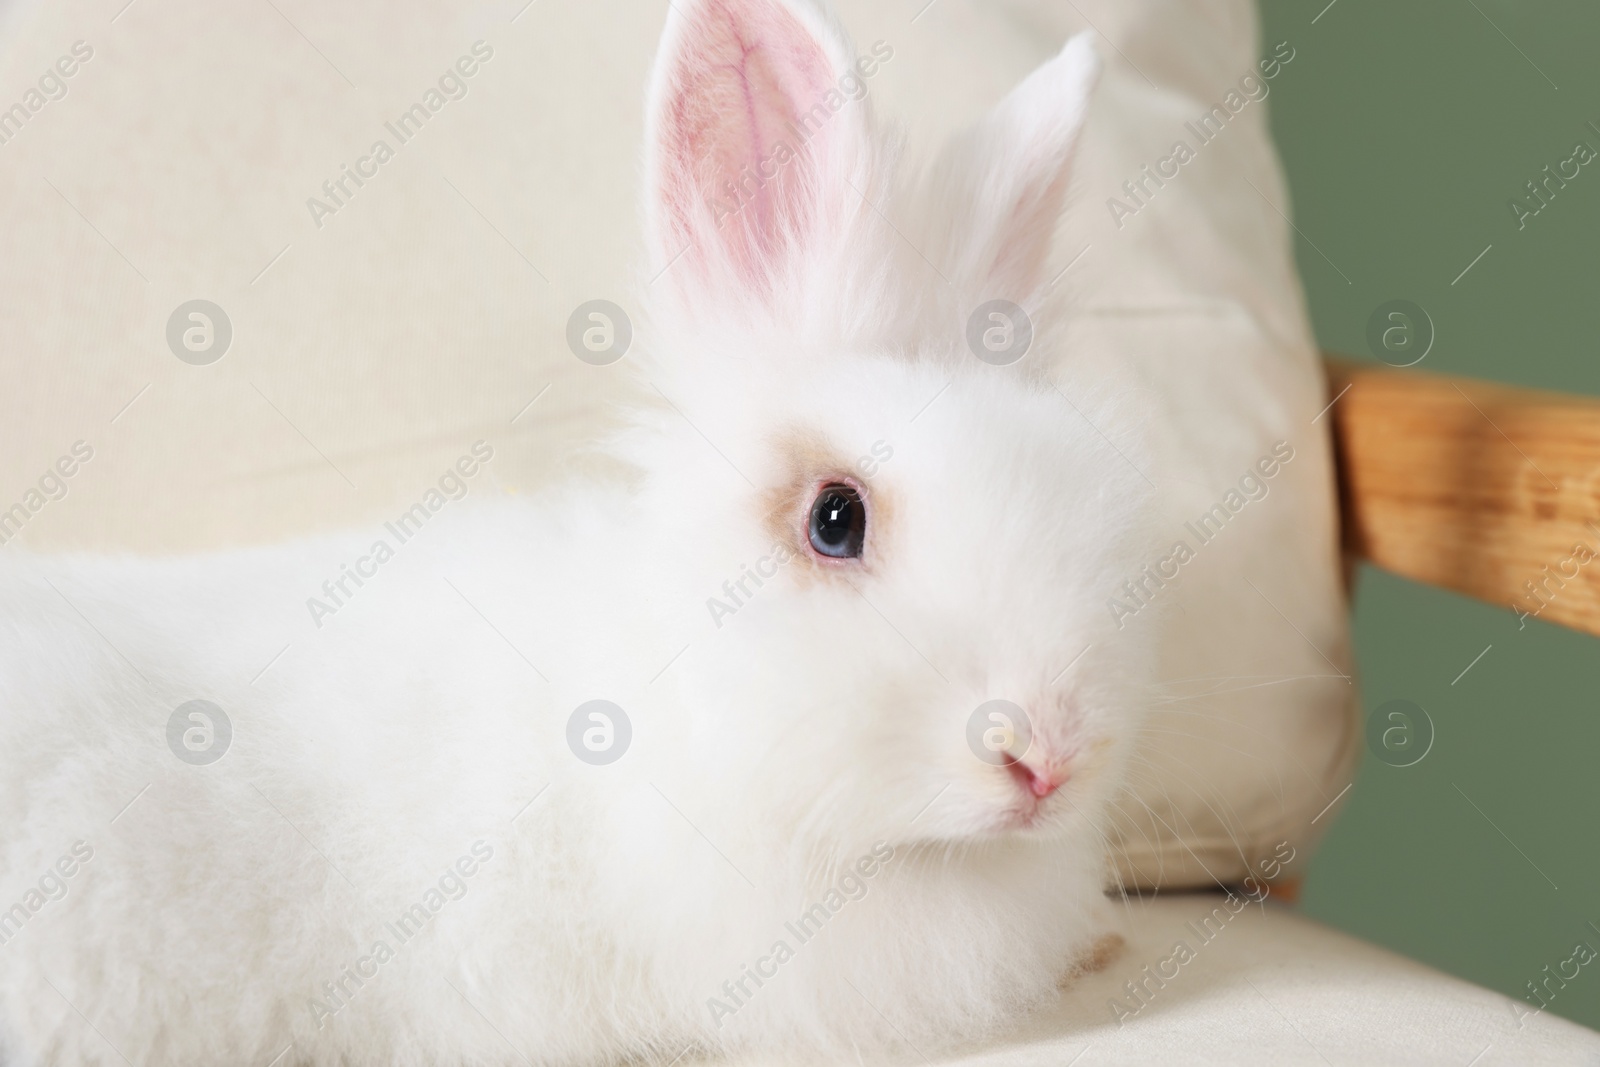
x,y
1484,489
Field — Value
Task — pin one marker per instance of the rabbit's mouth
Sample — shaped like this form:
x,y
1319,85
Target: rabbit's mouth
x,y
1027,814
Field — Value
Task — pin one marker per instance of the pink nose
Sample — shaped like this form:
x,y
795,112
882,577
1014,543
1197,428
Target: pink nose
x,y
1040,776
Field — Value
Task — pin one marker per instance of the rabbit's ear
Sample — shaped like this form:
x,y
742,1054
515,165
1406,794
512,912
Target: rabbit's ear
x,y
752,145
997,190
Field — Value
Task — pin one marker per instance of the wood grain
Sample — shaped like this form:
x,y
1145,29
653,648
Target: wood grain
x,y
1485,489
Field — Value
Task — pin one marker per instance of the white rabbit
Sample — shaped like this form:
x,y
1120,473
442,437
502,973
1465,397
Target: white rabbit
x,y
842,533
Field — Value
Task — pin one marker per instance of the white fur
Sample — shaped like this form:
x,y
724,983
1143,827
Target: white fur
x,y
769,753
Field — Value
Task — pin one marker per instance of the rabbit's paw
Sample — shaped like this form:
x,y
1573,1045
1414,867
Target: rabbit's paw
x,y
1099,955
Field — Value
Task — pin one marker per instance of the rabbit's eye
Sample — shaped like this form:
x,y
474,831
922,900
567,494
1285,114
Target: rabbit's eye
x,y
838,522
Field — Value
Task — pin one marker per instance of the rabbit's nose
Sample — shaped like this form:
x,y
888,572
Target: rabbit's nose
x,y
1039,772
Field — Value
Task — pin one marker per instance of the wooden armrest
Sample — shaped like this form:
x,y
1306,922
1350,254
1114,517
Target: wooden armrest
x,y
1485,489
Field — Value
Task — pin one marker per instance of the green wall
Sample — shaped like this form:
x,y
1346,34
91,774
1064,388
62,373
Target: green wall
x,y
1406,129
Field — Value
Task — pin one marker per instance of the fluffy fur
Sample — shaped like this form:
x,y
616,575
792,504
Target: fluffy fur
x,y
226,907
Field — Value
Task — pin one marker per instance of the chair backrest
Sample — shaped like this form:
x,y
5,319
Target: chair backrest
x,y
1484,489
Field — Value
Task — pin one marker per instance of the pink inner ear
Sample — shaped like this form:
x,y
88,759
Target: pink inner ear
x,y
740,133
1027,231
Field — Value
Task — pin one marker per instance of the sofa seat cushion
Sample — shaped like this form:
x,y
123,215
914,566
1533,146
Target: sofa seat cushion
x,y
1268,986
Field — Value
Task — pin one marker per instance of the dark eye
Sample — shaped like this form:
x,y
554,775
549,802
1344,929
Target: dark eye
x,y
838,522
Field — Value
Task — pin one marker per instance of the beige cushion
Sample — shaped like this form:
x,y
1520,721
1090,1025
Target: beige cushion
x,y
371,346
1272,988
